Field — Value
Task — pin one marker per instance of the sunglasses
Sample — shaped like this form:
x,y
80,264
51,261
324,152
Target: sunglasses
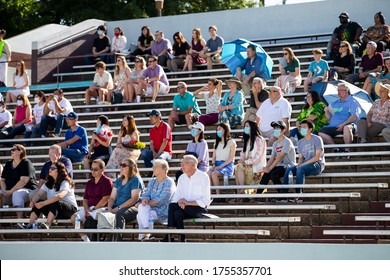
x,y
180,87
95,169
342,46
53,168
124,165
274,91
150,61
137,61
14,149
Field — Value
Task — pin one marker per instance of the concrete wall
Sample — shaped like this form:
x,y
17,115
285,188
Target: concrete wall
x,y
199,251
256,23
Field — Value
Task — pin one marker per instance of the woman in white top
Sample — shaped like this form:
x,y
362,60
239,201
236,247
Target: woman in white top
x,y
119,41
121,75
213,100
32,129
223,156
21,81
134,87
61,201
253,157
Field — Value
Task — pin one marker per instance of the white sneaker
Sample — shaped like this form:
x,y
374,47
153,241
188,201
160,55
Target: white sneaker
x,y
141,236
85,238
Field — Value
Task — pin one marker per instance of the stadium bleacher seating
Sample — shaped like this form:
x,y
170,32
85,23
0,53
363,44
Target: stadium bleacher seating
x,y
367,166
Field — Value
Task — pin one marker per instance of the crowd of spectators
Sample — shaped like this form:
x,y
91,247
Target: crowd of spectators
x,y
267,121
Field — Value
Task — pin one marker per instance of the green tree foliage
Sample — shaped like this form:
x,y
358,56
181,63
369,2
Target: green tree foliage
x,y
23,15
16,15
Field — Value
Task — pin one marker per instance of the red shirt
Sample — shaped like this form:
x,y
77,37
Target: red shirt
x,y
95,192
158,134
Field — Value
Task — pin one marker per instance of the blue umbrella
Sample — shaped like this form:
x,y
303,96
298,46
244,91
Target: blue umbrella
x,y
234,55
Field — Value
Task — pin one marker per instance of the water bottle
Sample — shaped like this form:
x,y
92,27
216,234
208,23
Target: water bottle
x,y
295,139
35,224
151,222
225,180
77,222
290,178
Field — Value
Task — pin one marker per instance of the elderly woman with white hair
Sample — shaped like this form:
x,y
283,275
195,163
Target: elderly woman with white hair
x,y
156,197
258,96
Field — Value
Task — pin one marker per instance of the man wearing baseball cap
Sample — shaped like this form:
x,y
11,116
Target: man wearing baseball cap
x,y
372,62
75,146
160,140
347,31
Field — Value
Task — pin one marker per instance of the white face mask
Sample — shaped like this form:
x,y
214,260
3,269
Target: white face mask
x,y
37,99
19,102
56,97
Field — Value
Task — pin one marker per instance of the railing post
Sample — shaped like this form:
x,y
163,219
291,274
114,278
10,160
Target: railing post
x,y
34,63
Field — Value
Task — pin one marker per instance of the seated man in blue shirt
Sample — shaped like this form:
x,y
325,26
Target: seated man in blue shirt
x,y
342,115
252,67
213,50
184,107
75,146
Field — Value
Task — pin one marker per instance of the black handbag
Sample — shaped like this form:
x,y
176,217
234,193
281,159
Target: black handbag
x,y
91,223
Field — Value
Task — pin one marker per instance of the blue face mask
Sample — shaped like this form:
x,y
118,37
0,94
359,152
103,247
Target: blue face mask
x,y
304,132
219,134
277,133
99,32
194,132
247,130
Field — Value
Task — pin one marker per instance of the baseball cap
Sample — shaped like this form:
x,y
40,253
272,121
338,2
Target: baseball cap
x,y
280,124
344,15
198,125
372,43
72,115
154,113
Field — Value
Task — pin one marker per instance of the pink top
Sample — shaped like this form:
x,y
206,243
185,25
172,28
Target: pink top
x,y
20,114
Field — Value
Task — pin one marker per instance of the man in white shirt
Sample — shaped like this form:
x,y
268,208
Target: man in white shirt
x,y
54,113
192,195
275,108
5,117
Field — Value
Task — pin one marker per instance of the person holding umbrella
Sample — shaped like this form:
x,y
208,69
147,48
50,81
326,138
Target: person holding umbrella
x,y
250,68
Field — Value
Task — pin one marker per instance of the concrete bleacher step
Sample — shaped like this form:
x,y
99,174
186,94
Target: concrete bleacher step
x,y
317,231
379,206
332,241
348,219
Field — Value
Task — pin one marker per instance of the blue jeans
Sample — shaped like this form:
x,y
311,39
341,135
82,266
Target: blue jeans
x,y
75,155
34,133
47,121
147,156
306,170
10,132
